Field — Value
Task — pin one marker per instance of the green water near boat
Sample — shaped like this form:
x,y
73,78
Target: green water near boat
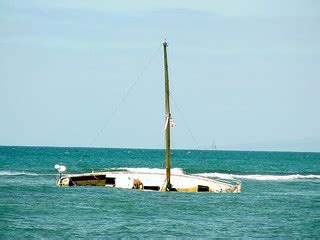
x,y
279,198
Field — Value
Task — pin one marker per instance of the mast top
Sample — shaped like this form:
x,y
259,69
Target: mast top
x,y
165,43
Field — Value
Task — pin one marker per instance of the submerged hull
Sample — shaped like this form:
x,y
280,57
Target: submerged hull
x,y
148,181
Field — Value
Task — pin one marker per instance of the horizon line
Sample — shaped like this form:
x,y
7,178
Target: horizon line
x,y
179,149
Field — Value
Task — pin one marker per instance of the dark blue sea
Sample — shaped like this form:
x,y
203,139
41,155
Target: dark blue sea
x,y
280,196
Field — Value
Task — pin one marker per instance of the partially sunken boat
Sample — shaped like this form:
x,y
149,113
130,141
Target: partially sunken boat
x,y
155,181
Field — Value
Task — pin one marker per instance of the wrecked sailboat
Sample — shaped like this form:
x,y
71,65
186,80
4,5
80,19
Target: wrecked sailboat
x,y
155,181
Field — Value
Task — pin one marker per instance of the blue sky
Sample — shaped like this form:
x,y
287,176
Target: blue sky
x,y
245,73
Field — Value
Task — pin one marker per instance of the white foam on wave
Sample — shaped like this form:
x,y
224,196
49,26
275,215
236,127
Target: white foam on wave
x,y
259,177
177,171
13,173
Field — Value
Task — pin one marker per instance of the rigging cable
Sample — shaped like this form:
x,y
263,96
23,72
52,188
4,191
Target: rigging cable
x,y
185,122
121,102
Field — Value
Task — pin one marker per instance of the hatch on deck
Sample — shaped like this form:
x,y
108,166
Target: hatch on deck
x,y
110,181
154,188
202,188
88,180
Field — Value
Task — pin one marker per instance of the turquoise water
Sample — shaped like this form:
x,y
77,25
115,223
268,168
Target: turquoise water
x,y
280,196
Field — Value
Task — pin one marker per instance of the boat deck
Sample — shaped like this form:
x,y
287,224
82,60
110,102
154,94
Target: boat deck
x,y
148,181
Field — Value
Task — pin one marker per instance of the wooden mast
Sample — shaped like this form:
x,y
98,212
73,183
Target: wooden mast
x,y
167,115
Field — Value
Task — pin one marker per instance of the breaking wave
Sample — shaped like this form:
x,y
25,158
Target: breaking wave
x,y
259,177
177,171
10,173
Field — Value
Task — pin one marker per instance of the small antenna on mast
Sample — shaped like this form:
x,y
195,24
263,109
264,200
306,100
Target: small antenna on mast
x,y
165,42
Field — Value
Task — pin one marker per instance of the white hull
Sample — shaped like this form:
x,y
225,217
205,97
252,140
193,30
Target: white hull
x,y
148,181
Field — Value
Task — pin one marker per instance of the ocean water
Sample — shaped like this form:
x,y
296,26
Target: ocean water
x,y
280,196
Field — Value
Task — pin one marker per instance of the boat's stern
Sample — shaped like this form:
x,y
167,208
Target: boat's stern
x,y
63,182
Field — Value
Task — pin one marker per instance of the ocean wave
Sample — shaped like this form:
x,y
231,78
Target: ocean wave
x,y
13,173
259,177
177,171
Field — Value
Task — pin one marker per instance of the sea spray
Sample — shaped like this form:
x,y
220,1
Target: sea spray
x,y
176,171
258,176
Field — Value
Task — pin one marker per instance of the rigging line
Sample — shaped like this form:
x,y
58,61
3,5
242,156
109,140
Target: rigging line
x,y
116,109
185,122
